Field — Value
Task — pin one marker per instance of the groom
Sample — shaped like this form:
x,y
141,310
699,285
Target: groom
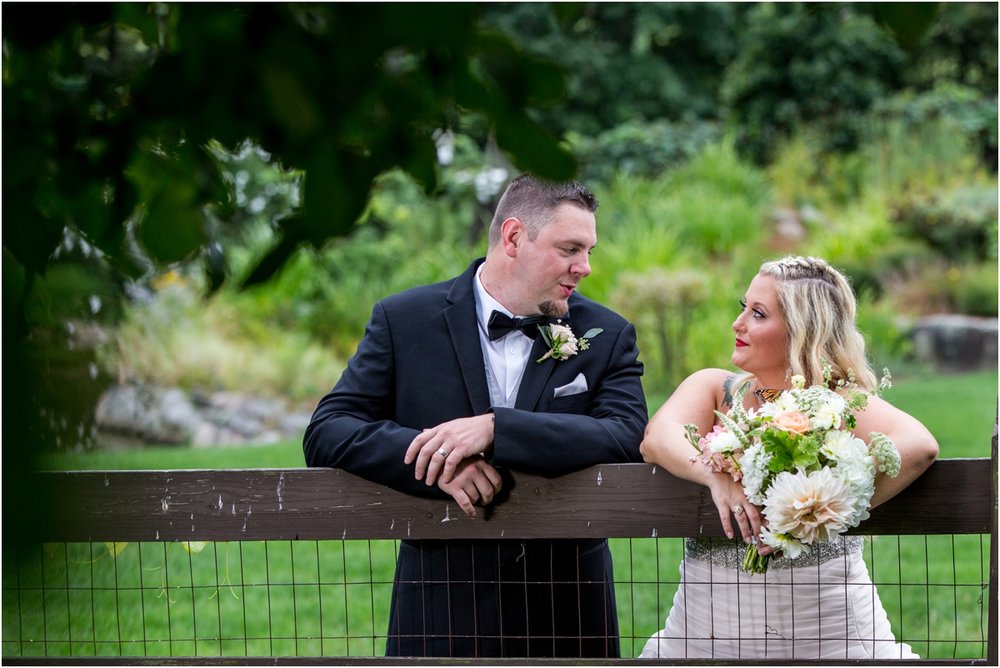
x,y
456,381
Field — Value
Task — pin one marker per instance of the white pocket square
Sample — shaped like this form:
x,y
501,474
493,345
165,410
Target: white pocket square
x,y
578,385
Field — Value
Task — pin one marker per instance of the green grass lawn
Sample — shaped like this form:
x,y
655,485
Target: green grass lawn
x,y
960,409
284,454
307,598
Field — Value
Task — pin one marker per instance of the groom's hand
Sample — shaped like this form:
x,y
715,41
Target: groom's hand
x,y
439,450
475,482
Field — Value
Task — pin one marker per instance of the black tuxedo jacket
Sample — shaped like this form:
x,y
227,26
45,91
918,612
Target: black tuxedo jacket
x,y
421,363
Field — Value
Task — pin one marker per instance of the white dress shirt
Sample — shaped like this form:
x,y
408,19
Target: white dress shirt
x,y
508,355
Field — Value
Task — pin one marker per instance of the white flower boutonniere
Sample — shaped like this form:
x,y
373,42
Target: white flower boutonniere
x,y
562,343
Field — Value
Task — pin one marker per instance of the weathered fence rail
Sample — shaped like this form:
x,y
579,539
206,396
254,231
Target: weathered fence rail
x,y
612,500
615,501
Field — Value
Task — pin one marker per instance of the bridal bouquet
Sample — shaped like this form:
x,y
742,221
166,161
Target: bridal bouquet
x,y
796,457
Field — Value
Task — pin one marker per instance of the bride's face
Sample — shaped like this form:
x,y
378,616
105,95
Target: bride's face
x,y
761,345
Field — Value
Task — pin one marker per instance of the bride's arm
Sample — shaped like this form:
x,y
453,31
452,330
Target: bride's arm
x,y
693,402
917,446
666,445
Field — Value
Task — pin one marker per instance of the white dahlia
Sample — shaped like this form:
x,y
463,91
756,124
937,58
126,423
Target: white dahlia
x,y
812,507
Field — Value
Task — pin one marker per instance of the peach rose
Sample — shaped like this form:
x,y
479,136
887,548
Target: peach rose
x,y
792,421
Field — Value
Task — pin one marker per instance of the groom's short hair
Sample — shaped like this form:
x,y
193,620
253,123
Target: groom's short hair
x,y
532,200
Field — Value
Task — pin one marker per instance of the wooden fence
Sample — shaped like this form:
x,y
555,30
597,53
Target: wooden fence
x,y
615,501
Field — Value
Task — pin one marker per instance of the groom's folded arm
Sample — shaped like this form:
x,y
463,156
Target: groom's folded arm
x,y
349,429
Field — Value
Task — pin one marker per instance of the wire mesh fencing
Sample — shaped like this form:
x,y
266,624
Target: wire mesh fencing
x,y
330,598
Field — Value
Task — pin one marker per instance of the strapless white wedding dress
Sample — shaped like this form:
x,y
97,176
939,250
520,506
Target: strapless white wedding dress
x,y
821,605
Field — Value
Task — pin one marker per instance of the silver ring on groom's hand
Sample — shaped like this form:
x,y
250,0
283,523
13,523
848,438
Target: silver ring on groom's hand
x,y
444,453
737,510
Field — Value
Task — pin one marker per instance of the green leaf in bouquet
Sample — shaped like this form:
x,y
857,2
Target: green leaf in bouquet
x,y
776,443
805,453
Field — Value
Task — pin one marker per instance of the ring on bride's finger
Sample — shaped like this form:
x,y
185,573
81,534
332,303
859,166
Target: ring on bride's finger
x,y
737,510
444,453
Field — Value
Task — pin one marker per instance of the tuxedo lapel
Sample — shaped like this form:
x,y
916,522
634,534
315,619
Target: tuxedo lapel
x,y
535,376
462,325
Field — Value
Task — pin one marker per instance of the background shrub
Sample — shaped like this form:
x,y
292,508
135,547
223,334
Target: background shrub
x,y
177,339
959,223
973,289
640,149
824,66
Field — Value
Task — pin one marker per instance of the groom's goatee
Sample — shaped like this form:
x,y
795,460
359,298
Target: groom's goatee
x,y
552,309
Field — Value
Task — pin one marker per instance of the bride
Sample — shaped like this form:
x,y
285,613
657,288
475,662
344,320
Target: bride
x,y
798,314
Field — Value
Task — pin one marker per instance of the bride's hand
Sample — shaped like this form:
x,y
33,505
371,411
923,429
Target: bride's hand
x,y
732,504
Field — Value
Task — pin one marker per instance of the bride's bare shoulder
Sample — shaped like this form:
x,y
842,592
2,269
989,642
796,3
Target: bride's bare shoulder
x,y
709,384
716,378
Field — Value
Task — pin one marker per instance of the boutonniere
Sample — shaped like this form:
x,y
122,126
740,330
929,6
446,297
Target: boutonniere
x,y
562,343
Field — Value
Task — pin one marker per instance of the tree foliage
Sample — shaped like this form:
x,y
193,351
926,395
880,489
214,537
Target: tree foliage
x,y
109,108
630,62
116,118
825,66
642,74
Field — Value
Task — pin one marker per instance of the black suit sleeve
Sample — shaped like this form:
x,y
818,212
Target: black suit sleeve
x,y
352,427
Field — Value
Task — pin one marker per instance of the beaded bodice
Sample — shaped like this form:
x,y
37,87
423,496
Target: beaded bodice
x,y
729,553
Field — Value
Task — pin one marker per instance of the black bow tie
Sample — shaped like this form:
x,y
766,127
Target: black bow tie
x,y
501,324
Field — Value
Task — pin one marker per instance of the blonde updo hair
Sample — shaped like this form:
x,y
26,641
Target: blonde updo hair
x,y
819,308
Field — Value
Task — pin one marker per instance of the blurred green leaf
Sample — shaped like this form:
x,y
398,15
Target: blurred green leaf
x,y
171,227
532,148
194,546
523,79
421,163
334,193
275,259
908,22
36,25
116,548
171,223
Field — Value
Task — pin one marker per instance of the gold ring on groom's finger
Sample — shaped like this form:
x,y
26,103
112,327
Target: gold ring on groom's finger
x,y
444,453
737,510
